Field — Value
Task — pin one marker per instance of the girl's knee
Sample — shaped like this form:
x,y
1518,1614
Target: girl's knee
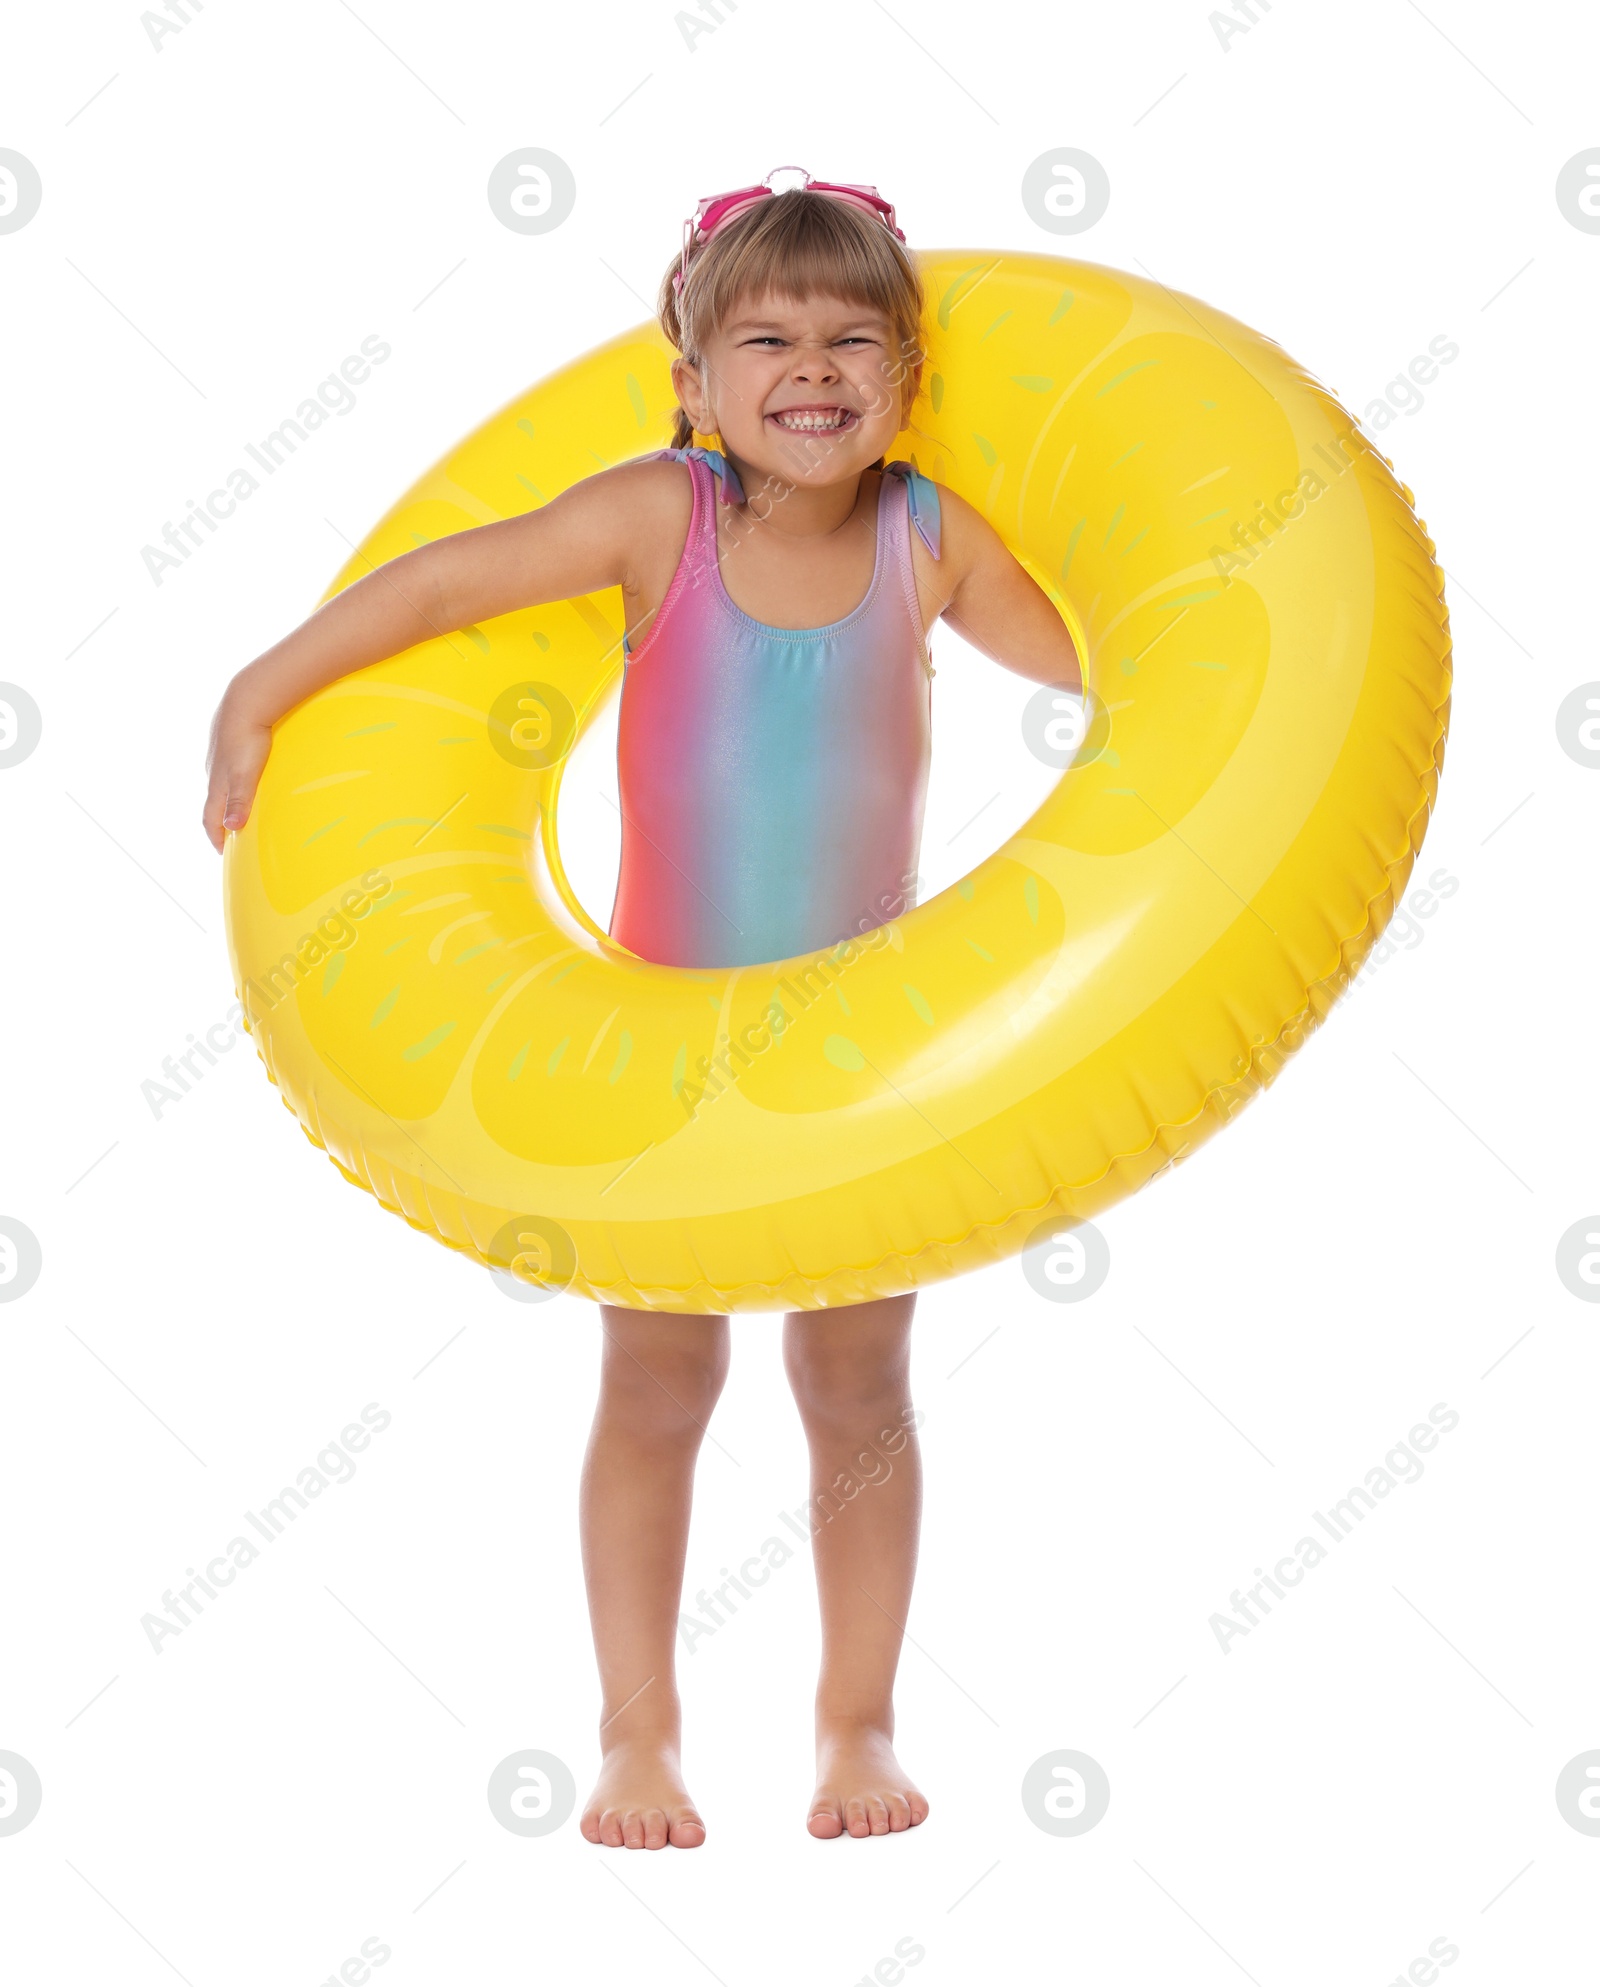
x,y
663,1378
844,1374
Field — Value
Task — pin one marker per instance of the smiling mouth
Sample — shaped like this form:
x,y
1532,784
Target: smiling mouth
x,y
815,420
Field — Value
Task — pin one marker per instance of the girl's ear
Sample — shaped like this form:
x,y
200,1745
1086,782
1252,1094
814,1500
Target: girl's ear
x,y
913,386
686,383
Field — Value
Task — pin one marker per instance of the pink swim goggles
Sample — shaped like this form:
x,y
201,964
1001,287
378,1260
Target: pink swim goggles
x,y
719,207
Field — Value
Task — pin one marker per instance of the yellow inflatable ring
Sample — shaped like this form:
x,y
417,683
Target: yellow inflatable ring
x,y
1268,648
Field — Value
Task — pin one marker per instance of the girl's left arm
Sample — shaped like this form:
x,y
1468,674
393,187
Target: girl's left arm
x,y
992,602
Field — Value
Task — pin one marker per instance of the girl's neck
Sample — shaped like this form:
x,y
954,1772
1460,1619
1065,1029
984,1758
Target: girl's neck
x,y
794,510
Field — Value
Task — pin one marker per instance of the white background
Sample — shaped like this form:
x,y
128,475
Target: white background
x,y
1373,1767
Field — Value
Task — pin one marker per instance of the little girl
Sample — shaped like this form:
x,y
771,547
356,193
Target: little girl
x,y
772,757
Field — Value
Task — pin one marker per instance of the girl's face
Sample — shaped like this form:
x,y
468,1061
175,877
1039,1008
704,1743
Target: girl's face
x,y
808,393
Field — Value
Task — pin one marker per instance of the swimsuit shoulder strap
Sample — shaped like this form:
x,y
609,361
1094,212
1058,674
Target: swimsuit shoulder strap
x,y
700,544
922,501
921,509
729,486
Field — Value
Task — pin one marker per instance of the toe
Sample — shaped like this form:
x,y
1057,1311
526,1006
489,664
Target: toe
x,y
855,1817
877,1814
919,1806
687,1830
826,1821
899,1812
589,1827
633,1829
611,1828
655,1828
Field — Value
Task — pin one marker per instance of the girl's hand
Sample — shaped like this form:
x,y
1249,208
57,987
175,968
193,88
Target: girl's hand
x,y
240,743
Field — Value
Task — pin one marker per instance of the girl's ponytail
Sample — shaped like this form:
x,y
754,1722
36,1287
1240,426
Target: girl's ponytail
x,y
670,319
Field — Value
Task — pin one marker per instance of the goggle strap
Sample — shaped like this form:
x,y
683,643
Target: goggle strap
x,y
696,232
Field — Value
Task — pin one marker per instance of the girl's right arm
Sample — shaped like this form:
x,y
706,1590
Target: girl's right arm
x,y
579,543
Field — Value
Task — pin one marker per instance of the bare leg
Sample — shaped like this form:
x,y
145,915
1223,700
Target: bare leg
x,y
661,1373
850,1371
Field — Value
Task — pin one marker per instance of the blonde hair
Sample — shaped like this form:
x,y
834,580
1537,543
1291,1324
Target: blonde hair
x,y
797,244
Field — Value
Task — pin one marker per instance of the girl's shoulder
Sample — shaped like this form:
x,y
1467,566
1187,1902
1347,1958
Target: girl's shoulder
x,y
964,528
959,536
643,489
663,478
634,514
657,469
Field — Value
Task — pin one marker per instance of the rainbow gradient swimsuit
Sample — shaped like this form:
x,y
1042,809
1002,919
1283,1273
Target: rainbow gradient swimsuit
x,y
772,780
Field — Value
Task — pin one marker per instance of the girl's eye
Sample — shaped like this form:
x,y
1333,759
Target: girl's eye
x,y
771,338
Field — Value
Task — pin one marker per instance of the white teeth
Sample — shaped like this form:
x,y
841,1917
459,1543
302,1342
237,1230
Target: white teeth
x,y
808,422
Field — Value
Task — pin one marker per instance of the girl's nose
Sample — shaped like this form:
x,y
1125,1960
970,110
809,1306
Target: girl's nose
x,y
817,364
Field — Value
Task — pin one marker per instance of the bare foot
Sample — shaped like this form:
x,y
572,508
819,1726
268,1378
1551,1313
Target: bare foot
x,y
640,1801
862,1789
